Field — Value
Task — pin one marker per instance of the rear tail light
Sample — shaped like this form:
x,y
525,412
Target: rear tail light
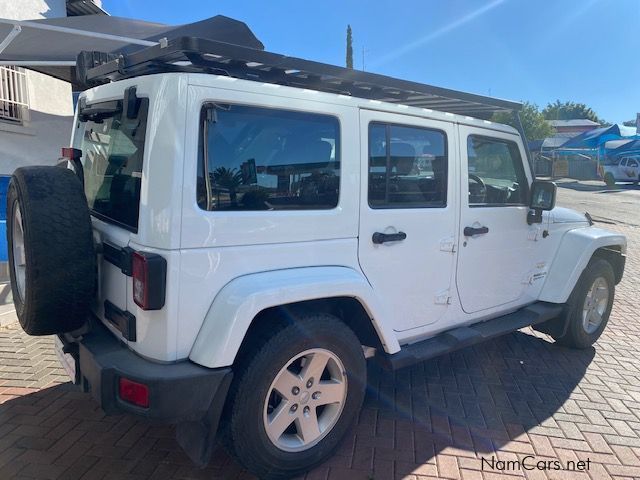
x,y
149,280
71,153
134,392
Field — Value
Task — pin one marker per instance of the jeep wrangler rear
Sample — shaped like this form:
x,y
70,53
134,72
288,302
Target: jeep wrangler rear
x,y
224,251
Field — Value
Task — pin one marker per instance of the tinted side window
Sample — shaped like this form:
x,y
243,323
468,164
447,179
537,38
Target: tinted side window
x,y
496,173
407,167
264,159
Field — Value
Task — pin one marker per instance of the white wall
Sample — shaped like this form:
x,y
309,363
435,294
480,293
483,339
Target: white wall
x,y
38,140
32,9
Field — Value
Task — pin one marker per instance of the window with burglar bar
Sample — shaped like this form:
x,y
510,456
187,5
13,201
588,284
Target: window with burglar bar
x,y
14,101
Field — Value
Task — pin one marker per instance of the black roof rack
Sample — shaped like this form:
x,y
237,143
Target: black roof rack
x,y
190,54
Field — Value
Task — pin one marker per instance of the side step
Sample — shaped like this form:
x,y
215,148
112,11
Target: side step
x,y
461,337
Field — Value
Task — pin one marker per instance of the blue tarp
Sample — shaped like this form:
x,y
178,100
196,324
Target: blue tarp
x,y
594,138
632,146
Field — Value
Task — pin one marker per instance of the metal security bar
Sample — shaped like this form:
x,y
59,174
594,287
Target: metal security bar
x,y
14,99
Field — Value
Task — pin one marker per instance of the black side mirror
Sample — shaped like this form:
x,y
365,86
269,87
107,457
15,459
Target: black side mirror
x,y
543,197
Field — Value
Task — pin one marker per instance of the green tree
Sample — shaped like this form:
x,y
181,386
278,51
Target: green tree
x,y
349,47
534,124
230,179
570,110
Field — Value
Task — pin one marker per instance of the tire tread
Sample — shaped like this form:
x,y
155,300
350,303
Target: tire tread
x,y
61,264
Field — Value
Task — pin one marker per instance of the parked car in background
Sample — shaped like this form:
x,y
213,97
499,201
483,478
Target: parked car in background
x,y
622,169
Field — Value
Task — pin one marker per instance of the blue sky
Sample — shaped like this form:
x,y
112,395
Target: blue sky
x,y
537,50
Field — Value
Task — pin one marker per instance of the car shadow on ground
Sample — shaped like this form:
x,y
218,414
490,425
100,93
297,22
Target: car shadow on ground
x,y
476,400
471,403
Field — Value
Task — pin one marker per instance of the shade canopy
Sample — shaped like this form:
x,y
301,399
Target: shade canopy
x,y
594,138
630,147
52,45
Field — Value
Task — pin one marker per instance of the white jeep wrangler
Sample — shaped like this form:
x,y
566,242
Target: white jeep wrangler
x,y
225,250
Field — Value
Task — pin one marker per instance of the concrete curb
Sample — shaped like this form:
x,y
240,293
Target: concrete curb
x,y
7,310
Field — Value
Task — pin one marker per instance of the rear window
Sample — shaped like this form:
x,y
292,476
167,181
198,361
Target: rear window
x,y
112,152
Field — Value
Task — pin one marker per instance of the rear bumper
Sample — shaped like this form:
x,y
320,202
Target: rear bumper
x,y
178,392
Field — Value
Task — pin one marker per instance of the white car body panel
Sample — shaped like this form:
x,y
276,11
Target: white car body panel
x,y
242,299
205,272
572,256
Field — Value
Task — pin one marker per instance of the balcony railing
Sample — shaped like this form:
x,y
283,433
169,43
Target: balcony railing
x,y
14,100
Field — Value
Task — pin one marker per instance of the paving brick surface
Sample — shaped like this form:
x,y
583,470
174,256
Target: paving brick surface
x,y
517,397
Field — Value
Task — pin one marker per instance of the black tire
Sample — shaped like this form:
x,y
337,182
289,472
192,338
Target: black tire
x,y
243,430
60,264
576,336
609,180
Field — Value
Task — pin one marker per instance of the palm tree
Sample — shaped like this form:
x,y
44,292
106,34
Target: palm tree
x,y
229,178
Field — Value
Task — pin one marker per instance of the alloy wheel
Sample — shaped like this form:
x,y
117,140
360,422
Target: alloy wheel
x,y
305,400
19,258
595,305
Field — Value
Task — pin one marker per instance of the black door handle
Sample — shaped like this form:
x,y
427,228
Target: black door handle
x,y
471,231
379,237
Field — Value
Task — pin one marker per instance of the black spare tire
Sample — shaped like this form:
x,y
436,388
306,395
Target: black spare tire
x,y
52,261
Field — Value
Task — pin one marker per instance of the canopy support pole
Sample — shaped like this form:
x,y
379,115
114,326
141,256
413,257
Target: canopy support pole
x,y
520,128
82,33
9,38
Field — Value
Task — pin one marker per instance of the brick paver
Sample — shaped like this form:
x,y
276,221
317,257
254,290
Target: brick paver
x,y
505,400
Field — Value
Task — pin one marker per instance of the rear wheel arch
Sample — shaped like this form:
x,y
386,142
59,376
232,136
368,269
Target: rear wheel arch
x,y
348,310
240,302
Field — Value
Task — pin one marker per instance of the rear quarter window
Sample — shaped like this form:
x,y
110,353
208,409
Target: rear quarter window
x,y
253,158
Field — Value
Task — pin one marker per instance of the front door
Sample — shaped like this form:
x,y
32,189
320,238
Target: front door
x,y
495,252
408,214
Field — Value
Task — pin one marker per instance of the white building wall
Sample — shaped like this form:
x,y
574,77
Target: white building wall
x,y
32,9
38,140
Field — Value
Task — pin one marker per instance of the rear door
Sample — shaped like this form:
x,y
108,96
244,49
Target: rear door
x,y
112,155
408,214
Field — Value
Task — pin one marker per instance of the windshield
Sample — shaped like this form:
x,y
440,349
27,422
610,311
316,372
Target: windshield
x,y
112,155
